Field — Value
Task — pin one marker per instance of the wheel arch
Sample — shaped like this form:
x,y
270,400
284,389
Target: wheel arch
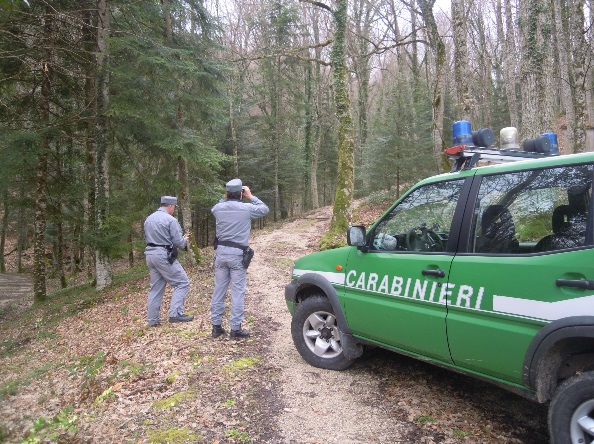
x,y
559,350
311,284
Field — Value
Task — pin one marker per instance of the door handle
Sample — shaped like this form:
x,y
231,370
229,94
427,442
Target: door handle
x,y
438,273
583,284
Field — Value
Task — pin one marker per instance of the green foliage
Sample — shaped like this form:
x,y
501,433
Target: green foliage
x,y
173,436
424,419
237,435
172,401
400,151
129,370
90,365
167,104
271,158
534,227
7,346
456,433
107,394
333,239
11,387
243,363
64,426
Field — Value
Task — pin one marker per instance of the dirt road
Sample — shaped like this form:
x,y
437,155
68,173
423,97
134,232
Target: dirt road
x,y
15,286
384,397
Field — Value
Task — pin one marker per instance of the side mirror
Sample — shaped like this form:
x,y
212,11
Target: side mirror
x,y
356,236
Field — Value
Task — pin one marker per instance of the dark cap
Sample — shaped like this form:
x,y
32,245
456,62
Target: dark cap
x,y
234,185
168,200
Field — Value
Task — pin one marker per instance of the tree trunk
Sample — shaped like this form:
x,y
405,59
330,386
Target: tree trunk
x,y
59,261
21,230
186,211
3,230
87,259
589,61
343,200
509,64
308,136
362,17
579,71
535,38
317,133
39,270
439,56
233,129
565,74
103,269
483,111
276,98
461,77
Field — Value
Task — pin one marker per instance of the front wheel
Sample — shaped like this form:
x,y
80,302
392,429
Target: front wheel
x,y
571,415
316,335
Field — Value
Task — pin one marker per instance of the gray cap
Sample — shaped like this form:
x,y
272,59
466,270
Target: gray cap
x,y
233,186
168,200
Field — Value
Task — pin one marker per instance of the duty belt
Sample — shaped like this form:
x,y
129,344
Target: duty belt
x,y
150,244
232,244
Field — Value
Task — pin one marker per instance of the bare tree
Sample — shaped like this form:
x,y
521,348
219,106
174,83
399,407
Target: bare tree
x,y
535,35
461,72
565,77
90,105
103,270
438,50
510,63
364,14
39,270
343,200
579,70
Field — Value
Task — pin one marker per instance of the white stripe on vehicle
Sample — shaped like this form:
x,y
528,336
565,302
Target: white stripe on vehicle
x,y
332,277
549,311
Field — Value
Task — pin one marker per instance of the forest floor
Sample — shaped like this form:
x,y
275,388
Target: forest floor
x,y
84,368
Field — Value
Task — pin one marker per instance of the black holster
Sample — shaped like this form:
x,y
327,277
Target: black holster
x,y
248,253
171,253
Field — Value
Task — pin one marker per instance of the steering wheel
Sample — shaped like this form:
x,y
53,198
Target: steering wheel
x,y
422,238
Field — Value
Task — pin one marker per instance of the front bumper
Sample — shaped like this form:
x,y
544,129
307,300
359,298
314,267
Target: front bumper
x,y
291,295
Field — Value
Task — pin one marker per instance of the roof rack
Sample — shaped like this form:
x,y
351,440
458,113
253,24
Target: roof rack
x,y
465,157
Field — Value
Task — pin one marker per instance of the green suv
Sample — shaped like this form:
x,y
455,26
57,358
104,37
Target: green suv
x,y
487,270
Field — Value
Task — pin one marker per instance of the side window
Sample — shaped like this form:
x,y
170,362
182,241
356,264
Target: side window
x,y
532,211
421,222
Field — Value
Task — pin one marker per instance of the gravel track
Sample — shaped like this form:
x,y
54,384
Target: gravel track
x,y
384,397
318,405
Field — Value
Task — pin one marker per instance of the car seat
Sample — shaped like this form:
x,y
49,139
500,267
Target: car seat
x,y
565,231
498,232
385,242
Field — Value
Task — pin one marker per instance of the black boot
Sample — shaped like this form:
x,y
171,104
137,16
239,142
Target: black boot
x,y
182,318
217,331
239,334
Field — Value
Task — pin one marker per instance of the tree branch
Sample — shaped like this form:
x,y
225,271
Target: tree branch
x,y
318,4
293,53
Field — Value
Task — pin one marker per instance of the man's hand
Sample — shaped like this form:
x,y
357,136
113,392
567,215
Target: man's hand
x,y
247,193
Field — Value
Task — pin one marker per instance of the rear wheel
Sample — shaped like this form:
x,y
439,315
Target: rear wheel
x,y
571,415
316,335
